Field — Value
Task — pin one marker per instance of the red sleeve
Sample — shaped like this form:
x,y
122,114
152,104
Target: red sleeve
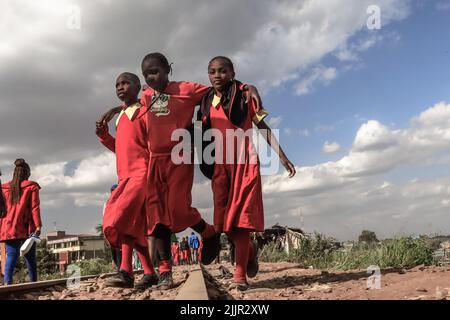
x,y
35,207
108,141
198,91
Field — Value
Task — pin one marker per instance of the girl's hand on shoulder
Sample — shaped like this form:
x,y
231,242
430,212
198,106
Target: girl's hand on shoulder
x,y
107,116
252,93
101,128
289,167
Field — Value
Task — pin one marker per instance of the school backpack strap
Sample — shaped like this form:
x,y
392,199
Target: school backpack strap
x,y
203,117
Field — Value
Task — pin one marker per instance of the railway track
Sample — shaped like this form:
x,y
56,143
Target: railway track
x,y
192,283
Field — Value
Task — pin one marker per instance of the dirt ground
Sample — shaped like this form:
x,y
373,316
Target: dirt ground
x,y
94,289
287,281
276,281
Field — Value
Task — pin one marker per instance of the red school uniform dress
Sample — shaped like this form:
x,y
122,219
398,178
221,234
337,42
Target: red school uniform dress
x,y
126,209
169,184
175,254
236,186
24,217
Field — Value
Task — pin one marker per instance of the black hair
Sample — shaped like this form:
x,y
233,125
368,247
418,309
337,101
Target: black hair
x,y
134,78
160,58
21,173
226,60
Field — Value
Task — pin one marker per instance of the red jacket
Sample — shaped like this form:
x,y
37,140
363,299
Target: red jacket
x,y
22,218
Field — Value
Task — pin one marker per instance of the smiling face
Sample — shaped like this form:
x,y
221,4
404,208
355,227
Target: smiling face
x,y
127,89
220,74
156,75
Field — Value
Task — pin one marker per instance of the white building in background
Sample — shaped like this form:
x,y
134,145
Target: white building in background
x,y
73,248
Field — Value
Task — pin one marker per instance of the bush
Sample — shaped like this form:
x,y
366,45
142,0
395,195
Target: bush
x,y
94,267
321,252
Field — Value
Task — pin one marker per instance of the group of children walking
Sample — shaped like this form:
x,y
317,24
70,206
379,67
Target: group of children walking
x,y
153,197
187,251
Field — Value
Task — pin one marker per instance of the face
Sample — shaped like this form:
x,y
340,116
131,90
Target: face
x,y
156,75
126,89
220,74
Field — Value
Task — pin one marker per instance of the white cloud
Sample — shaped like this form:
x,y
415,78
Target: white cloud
x,y
320,74
331,147
274,122
443,5
304,132
376,149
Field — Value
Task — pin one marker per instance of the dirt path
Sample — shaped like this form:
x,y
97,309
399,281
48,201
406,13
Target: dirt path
x,y
287,281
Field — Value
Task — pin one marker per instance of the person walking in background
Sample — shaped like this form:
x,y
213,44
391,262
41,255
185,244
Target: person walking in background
x,y
184,246
21,219
175,249
194,245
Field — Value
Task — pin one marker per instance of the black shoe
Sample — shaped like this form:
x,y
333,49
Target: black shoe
x,y
241,286
165,281
147,281
211,249
122,280
253,266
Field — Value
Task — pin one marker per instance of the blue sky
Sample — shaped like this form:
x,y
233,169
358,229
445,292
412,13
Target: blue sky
x,y
395,80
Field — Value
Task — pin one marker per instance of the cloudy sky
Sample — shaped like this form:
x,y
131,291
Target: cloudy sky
x,y
363,112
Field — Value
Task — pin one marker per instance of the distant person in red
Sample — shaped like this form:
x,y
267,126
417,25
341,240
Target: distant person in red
x,y
21,219
124,221
175,254
199,251
171,106
236,184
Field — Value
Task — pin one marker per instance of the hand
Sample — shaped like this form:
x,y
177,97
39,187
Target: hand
x,y
253,94
101,128
38,231
107,116
289,167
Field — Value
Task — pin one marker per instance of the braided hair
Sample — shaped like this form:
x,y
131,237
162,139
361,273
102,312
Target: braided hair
x,y
21,173
160,58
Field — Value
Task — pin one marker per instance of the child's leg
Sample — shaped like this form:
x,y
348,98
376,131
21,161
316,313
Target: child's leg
x,y
127,254
30,259
242,244
12,254
162,242
144,257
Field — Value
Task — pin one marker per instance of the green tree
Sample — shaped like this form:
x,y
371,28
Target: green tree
x,y
46,260
99,229
368,237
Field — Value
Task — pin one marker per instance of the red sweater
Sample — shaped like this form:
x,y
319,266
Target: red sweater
x,y
22,218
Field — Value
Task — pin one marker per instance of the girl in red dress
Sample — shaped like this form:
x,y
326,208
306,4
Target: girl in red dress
x,y
171,106
236,179
124,221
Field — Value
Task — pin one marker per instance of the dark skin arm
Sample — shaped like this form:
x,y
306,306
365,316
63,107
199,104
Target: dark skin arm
x,y
101,128
251,93
272,141
107,116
